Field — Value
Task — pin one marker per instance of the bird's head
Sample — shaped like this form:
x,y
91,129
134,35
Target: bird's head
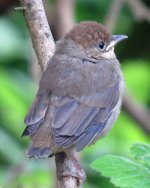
x,y
94,39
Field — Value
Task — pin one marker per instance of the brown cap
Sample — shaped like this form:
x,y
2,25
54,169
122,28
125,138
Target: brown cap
x,y
88,33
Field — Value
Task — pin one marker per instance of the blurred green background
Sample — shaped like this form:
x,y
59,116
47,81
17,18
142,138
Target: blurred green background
x,y
19,75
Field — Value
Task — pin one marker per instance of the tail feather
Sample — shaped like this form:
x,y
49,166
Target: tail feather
x,y
39,153
41,143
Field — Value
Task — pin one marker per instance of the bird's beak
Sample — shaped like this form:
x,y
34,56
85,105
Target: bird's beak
x,y
115,39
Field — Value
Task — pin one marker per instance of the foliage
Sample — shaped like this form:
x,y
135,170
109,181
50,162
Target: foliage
x,y
125,172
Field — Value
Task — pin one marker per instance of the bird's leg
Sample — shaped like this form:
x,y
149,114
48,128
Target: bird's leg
x,y
72,167
79,172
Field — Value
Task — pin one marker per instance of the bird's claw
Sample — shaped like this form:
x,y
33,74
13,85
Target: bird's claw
x,y
79,175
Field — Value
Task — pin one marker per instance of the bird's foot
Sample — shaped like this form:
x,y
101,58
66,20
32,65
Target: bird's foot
x,y
79,174
68,166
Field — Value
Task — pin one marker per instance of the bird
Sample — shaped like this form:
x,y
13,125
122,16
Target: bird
x,y
80,92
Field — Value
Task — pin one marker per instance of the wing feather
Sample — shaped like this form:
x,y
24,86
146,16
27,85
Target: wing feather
x,y
75,120
86,120
36,114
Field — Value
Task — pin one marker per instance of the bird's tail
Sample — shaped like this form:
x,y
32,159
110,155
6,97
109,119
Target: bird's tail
x,y
40,147
38,153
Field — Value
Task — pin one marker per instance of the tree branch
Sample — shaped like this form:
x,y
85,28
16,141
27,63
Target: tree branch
x,y
44,46
41,36
64,163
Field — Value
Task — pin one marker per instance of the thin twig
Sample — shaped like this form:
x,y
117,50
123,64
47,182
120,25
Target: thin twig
x,y
139,9
44,46
138,112
112,15
65,16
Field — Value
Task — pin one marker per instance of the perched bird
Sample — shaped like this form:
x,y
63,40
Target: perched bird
x,y
80,92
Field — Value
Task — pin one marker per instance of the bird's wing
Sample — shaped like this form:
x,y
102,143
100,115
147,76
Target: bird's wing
x,y
75,120
78,120
36,114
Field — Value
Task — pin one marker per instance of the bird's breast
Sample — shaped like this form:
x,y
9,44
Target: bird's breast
x,y
74,77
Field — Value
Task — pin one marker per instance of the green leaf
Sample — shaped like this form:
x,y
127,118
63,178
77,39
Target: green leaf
x,y
141,152
123,172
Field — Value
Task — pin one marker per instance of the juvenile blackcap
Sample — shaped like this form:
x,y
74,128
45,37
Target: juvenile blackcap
x,y
80,92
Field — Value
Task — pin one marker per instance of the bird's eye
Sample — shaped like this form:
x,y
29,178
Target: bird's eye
x,y
101,45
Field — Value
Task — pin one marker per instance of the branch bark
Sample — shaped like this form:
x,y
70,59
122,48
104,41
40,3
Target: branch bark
x,y
41,35
44,47
63,165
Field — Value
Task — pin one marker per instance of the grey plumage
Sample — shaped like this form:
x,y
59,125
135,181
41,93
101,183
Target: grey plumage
x,y
79,95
